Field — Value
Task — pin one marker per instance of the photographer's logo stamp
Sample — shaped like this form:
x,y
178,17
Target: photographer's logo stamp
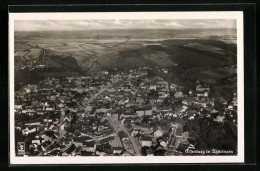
x,y
21,148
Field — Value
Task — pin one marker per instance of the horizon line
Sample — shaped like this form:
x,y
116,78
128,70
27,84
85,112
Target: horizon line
x,y
126,29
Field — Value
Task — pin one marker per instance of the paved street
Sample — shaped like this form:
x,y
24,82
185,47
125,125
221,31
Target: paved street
x,y
119,127
115,123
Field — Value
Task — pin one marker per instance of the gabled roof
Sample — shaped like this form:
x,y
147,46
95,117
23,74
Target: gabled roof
x,y
159,129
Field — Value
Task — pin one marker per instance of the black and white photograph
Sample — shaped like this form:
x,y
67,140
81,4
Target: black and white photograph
x,y
129,87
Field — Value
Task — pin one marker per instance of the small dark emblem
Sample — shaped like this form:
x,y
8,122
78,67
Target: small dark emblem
x,y
21,148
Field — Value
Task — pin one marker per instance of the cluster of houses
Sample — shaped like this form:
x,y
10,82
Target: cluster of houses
x,y
70,116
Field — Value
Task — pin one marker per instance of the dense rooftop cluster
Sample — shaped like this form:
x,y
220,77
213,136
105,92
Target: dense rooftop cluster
x,y
119,113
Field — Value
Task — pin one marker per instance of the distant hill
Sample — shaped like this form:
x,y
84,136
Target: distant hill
x,y
79,52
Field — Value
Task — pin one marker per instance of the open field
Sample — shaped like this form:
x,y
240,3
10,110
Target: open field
x,y
160,58
19,46
28,54
192,52
204,47
34,53
21,53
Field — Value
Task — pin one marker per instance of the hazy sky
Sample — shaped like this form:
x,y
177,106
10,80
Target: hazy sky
x,y
70,25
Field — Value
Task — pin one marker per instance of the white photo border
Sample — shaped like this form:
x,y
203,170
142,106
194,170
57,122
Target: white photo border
x,y
237,15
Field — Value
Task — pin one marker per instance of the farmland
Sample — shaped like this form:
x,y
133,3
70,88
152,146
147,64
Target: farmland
x,y
205,48
194,53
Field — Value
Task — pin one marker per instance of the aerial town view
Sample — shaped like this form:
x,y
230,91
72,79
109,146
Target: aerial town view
x,y
125,87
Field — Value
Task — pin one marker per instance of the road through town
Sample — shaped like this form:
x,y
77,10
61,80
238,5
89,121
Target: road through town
x,y
119,127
